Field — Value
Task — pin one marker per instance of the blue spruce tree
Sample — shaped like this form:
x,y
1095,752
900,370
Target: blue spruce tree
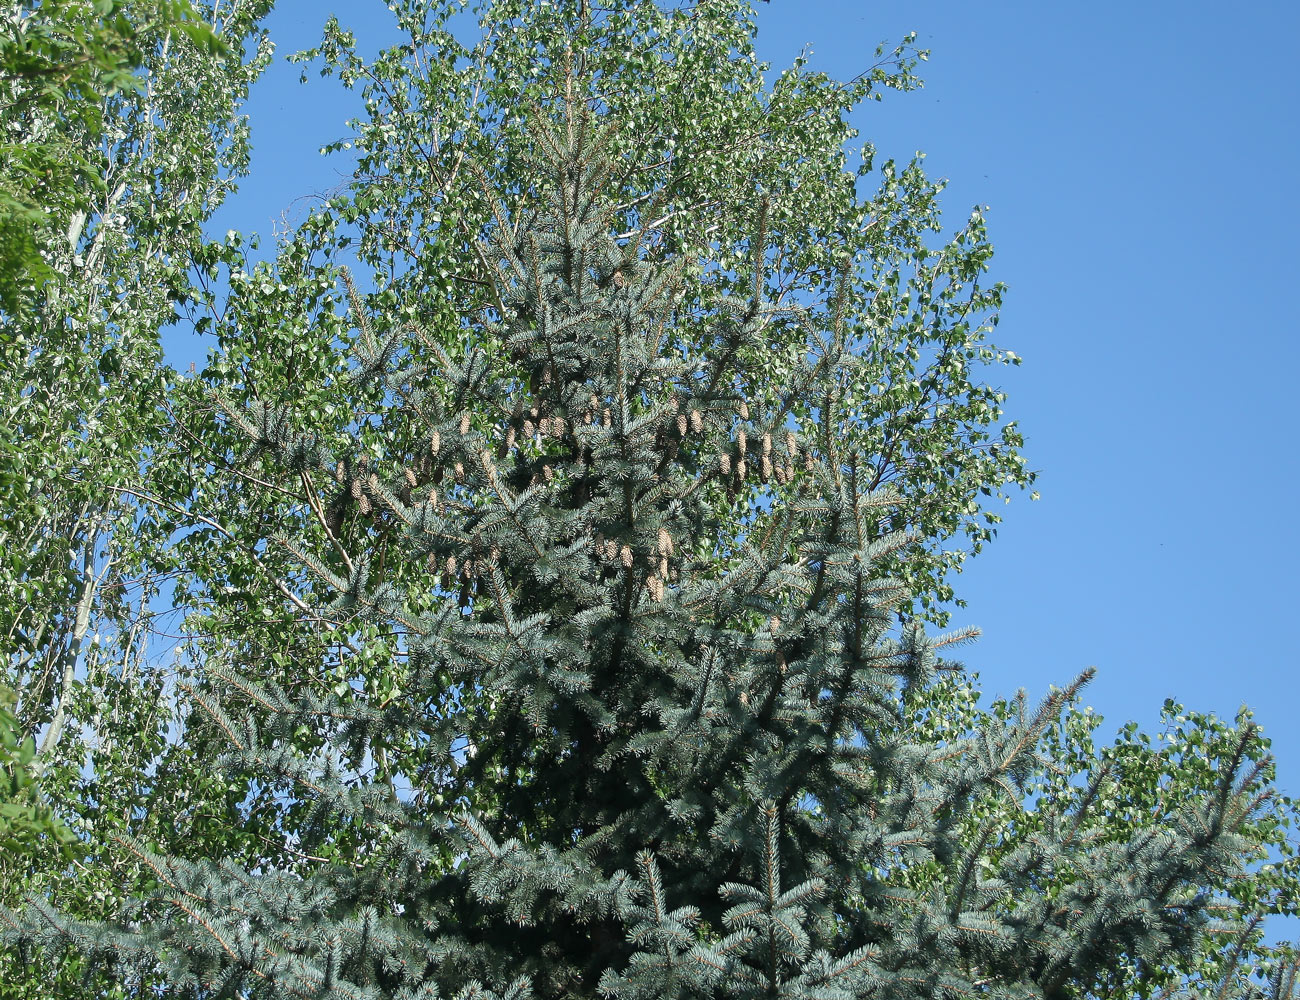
x,y
660,760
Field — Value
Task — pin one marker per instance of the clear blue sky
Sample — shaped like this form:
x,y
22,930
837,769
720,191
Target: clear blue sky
x,y
1140,161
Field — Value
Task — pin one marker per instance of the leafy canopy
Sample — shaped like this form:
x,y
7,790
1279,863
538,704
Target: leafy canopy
x,y
62,57
736,190
686,769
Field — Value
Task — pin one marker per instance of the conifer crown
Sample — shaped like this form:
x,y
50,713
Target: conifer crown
x,y
660,761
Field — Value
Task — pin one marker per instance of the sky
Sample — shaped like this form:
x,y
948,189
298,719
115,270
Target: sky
x,y
1139,162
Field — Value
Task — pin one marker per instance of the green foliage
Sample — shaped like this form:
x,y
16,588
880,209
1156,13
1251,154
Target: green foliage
x,y
59,59
442,128
428,728
641,750
1137,783
26,823
137,106
706,144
